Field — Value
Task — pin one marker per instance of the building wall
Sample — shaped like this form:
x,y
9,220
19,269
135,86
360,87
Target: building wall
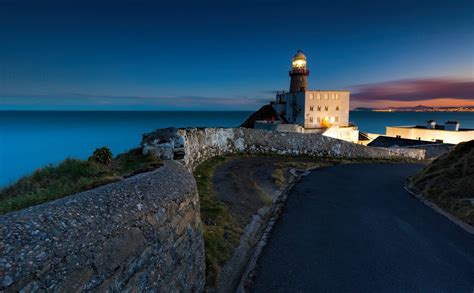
x,y
295,103
315,109
345,133
446,136
326,108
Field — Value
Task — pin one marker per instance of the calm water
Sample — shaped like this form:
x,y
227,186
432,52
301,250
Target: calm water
x,y
29,139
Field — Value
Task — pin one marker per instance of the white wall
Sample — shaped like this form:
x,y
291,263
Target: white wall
x,y
331,106
446,136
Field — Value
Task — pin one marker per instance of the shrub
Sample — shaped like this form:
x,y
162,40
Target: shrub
x,y
102,156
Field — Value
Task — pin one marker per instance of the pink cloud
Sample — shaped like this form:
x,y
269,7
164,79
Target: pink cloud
x,y
415,90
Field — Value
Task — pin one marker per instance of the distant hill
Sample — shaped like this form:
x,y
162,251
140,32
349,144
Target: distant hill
x,y
362,109
449,182
415,108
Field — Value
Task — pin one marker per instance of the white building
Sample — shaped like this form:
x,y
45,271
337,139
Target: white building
x,y
450,132
306,110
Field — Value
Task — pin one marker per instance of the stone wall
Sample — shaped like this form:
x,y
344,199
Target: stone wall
x,y
142,233
191,146
434,150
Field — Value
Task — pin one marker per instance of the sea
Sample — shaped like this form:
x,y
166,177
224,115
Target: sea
x,y
32,139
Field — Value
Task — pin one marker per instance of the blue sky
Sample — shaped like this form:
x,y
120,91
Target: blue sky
x,y
223,55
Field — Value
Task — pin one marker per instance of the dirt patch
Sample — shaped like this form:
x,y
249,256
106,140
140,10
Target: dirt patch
x,y
247,184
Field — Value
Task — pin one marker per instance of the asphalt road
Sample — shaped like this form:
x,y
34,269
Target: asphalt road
x,y
353,228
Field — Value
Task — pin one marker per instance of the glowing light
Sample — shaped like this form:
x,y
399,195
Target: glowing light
x,y
299,63
332,119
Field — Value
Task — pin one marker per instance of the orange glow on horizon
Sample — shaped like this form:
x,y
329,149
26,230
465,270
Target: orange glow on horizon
x,y
442,102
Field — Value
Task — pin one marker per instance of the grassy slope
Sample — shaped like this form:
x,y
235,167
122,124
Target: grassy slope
x,y
69,177
449,182
221,230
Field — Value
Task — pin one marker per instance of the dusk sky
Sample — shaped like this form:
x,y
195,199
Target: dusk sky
x,y
231,55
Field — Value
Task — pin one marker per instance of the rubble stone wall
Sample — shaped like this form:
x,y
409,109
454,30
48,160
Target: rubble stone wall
x,y
139,234
192,146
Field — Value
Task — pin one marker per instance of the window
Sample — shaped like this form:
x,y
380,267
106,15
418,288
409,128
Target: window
x,y
311,108
326,108
310,119
337,108
311,97
439,140
337,119
325,96
398,136
319,108
319,96
336,96
319,119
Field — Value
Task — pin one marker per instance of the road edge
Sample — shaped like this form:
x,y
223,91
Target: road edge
x,y
466,227
249,272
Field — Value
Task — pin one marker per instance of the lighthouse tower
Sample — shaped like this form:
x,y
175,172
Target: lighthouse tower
x,y
299,73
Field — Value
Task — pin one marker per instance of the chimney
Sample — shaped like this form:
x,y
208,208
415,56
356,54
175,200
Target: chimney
x,y
451,125
431,124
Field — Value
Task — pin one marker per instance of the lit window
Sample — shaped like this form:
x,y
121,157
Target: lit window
x,y
325,96
319,96
337,108
337,96
311,108
319,108
310,119
326,108
332,119
311,96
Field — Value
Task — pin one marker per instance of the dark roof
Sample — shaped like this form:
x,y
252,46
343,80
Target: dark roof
x,y
363,136
265,113
387,141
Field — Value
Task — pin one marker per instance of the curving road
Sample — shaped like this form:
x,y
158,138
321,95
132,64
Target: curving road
x,y
352,228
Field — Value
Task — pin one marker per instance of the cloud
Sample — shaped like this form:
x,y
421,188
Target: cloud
x,y
166,102
415,90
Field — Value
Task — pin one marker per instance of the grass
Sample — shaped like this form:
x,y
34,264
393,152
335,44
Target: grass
x,y
69,177
449,181
221,230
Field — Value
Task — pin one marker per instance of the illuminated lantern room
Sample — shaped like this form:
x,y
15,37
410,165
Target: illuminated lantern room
x,y
299,60
299,73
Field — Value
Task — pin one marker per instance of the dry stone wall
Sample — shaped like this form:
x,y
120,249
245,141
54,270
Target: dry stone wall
x,y
139,234
191,146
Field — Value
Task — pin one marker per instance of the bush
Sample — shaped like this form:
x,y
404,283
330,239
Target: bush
x,y
102,156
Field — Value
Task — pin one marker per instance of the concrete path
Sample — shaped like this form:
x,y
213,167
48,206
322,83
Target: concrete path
x,y
352,228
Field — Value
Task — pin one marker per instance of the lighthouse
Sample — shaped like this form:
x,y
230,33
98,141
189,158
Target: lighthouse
x,y
310,111
299,73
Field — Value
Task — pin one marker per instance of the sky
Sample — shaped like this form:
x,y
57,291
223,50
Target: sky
x,y
231,55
